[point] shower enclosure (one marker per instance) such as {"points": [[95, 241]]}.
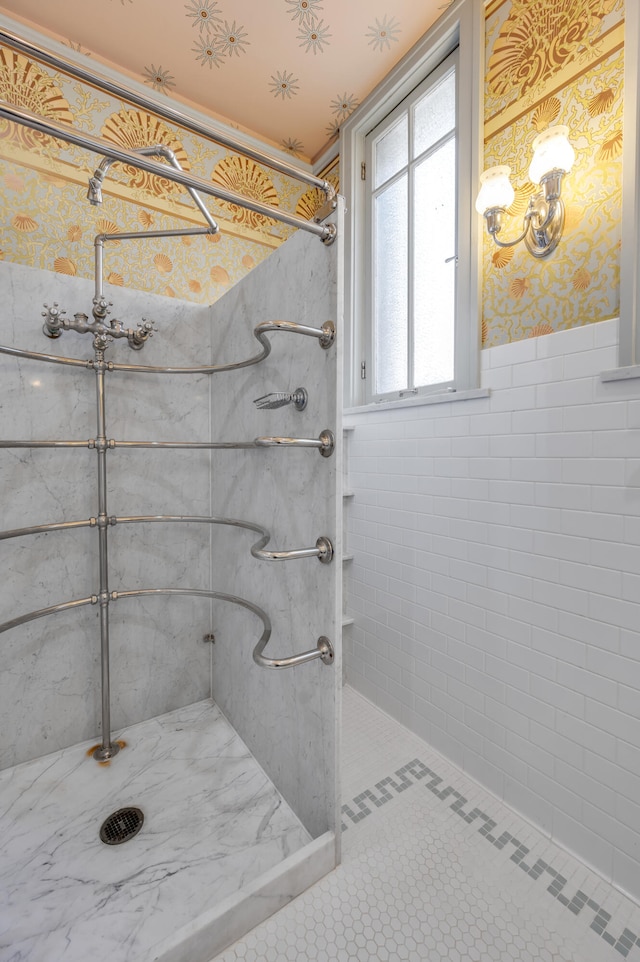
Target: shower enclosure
{"points": [[170, 602]]}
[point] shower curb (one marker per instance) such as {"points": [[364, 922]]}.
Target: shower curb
{"points": [[211, 933]]}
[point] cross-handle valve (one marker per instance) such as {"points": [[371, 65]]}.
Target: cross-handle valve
{"points": [[104, 331], [54, 321]]}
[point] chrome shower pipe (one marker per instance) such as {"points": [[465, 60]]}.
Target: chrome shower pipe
{"points": [[164, 110], [323, 649], [106, 749], [325, 444], [326, 337], [52, 610], [40, 528], [323, 549], [94, 194], [51, 358], [98, 246], [48, 444], [326, 334], [326, 232]]}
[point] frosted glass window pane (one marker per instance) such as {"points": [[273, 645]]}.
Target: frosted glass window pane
{"points": [[391, 302], [434, 279], [391, 152], [435, 115]]}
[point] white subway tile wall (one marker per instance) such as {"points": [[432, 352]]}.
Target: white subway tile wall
{"points": [[495, 586]]}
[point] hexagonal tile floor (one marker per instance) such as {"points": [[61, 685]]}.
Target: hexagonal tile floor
{"points": [[435, 868]]}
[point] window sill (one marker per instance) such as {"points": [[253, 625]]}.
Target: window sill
{"points": [[621, 373], [414, 402]]}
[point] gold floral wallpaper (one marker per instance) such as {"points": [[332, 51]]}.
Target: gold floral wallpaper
{"points": [[48, 222], [555, 62]]}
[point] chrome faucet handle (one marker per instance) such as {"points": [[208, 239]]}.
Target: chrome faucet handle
{"points": [[138, 338], [53, 323]]}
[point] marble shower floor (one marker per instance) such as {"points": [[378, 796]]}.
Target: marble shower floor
{"points": [[436, 869], [213, 823]]}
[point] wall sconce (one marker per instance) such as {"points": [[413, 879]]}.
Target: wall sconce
{"points": [[553, 157]]}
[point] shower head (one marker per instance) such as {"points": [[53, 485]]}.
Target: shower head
{"points": [[279, 400], [94, 193]]}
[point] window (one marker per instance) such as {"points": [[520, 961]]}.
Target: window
{"points": [[411, 234], [412, 272]]}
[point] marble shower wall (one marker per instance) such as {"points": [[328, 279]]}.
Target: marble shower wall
{"points": [[50, 668], [286, 717]]}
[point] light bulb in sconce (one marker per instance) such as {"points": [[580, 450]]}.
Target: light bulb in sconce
{"points": [[551, 151], [496, 191], [544, 220]]}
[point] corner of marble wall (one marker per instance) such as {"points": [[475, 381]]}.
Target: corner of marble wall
{"points": [[288, 718]]}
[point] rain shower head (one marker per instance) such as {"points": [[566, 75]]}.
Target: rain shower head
{"points": [[279, 400]]}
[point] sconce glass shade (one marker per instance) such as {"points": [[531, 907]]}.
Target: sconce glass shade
{"points": [[551, 151], [495, 189]]}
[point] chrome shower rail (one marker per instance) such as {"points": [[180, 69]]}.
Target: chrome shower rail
{"points": [[164, 110], [326, 336], [51, 610], [40, 528], [325, 443], [326, 232], [323, 650], [323, 549]]}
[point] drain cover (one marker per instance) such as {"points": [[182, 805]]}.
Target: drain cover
{"points": [[121, 826]]}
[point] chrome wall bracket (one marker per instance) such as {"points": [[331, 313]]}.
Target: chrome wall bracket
{"points": [[328, 334], [328, 443], [325, 648], [325, 550]]}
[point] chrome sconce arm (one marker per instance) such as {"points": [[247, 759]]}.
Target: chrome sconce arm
{"points": [[544, 220]]}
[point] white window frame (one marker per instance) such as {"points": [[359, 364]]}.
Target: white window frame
{"points": [[403, 109], [461, 26]]}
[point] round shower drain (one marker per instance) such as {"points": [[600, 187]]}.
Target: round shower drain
{"points": [[121, 826]]}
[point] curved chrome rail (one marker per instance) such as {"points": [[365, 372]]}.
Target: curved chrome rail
{"points": [[40, 528], [323, 549], [89, 364], [51, 610], [323, 650], [326, 336]]}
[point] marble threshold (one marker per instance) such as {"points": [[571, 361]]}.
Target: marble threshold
{"points": [[219, 850]]}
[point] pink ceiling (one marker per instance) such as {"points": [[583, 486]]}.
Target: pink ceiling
{"points": [[288, 71]]}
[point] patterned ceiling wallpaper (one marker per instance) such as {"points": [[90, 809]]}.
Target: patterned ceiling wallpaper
{"points": [[48, 222], [288, 71], [555, 62]]}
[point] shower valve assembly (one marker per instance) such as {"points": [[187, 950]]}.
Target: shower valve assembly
{"points": [[56, 322]]}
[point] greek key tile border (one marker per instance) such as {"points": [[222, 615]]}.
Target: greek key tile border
{"points": [[400, 781]]}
